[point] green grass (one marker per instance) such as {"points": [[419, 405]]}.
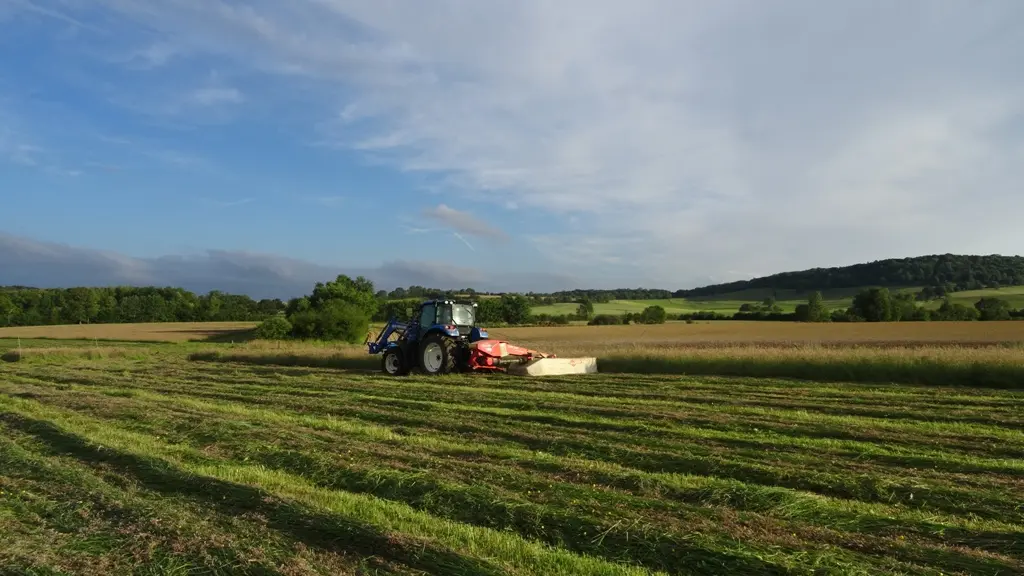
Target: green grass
{"points": [[786, 299], [158, 465]]}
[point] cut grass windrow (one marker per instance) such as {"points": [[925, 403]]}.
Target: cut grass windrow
{"points": [[701, 491], [927, 489], [641, 472], [356, 517], [71, 434]]}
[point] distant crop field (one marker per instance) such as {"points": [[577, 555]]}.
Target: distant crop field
{"points": [[152, 332], [113, 462], [599, 337]]}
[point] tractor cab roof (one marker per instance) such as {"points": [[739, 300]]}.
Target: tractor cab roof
{"points": [[446, 301]]}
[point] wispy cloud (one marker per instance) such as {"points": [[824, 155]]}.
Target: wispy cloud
{"points": [[687, 138], [328, 201], [212, 96], [227, 203], [24, 154], [34, 8], [152, 56], [463, 222]]}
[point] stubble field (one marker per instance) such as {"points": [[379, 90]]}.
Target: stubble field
{"points": [[200, 458]]}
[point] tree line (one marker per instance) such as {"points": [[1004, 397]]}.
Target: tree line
{"points": [[943, 274], [21, 306], [877, 304]]}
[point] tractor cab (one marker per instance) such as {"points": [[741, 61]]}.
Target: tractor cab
{"points": [[456, 319]]}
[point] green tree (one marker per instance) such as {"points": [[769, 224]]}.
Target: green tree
{"points": [[816, 310], [273, 328], [335, 320], [950, 311], [586, 309], [903, 307], [990, 309], [653, 315], [490, 311], [358, 292], [81, 306], [515, 308], [7, 310], [873, 305]]}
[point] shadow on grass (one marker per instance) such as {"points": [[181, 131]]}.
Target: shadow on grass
{"points": [[285, 359], [480, 506], [316, 529], [873, 370], [223, 336]]}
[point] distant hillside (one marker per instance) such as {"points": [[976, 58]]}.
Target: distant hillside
{"points": [[949, 271]]}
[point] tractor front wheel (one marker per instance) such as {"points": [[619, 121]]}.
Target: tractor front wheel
{"points": [[394, 363], [437, 355]]}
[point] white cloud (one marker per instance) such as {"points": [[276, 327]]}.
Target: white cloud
{"points": [[213, 96], [327, 201], [686, 138], [463, 222], [152, 56], [227, 203]]}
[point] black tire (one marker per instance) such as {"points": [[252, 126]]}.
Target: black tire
{"points": [[438, 355], [394, 362]]}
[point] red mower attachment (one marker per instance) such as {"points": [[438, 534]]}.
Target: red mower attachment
{"points": [[500, 356]]}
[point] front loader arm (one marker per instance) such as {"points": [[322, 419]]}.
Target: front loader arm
{"points": [[378, 344]]}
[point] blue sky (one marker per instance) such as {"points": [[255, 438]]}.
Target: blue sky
{"points": [[508, 145]]}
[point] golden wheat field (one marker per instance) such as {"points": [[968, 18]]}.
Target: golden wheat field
{"points": [[737, 332], [151, 332]]}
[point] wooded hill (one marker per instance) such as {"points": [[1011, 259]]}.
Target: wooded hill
{"points": [[942, 273]]}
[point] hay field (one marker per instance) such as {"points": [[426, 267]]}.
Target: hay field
{"points": [[144, 332], [158, 465], [598, 337], [785, 332]]}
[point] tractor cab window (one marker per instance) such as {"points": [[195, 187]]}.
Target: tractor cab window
{"points": [[428, 315], [458, 314], [462, 315]]}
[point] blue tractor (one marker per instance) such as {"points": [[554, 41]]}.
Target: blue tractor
{"points": [[443, 338], [436, 341]]}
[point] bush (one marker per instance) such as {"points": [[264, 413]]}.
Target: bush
{"points": [[990, 309], [955, 312], [549, 320], [653, 315], [703, 315], [605, 320], [273, 328], [336, 320]]}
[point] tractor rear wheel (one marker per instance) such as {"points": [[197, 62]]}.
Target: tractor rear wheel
{"points": [[438, 355], [394, 362]]}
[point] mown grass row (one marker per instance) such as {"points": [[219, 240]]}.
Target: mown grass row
{"points": [[992, 366], [625, 469], [995, 367]]}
